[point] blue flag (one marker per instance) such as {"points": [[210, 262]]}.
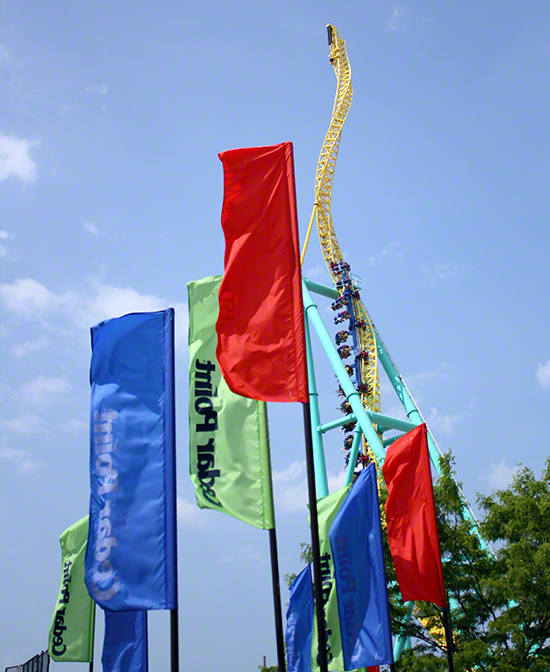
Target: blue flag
{"points": [[125, 642], [299, 623], [131, 553], [356, 542]]}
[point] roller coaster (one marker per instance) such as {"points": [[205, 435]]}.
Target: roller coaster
{"points": [[357, 349]]}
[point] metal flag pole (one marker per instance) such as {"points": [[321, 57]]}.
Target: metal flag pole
{"points": [[275, 580], [315, 546], [448, 638], [91, 665], [174, 621], [277, 600]]}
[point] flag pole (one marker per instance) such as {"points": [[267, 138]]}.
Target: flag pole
{"points": [[275, 580], [315, 546], [174, 620], [448, 637], [174, 641], [277, 600], [91, 665]]}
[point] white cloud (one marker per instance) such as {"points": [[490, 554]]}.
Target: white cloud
{"points": [[107, 302], [317, 273], [290, 486], [72, 426], [398, 19], [444, 424], [15, 158], [91, 228], [20, 458], [23, 349], [66, 109], [100, 89], [501, 475], [4, 252], [189, 514], [41, 389], [390, 250], [28, 298], [442, 272], [396, 411], [8, 60], [543, 374], [247, 553], [25, 423]]}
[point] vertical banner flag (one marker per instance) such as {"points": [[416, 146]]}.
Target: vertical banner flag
{"points": [[131, 553], [356, 542], [125, 643], [261, 339], [327, 509], [411, 519], [72, 628], [229, 444], [299, 622]]}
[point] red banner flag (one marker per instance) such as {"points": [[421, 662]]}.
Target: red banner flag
{"points": [[411, 519], [261, 339]]}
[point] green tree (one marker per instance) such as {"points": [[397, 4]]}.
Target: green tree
{"points": [[499, 602]]}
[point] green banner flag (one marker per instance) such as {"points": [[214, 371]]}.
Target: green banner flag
{"points": [[72, 629], [229, 443], [327, 508]]}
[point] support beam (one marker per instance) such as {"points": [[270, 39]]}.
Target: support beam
{"points": [[321, 481], [352, 395]]}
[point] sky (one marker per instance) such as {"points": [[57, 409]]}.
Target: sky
{"points": [[111, 118]]}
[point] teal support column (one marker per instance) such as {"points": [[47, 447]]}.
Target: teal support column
{"points": [[353, 454], [400, 388], [321, 482], [352, 395], [323, 290], [415, 416]]}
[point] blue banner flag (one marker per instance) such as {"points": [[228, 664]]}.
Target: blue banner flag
{"points": [[356, 542], [125, 642], [131, 554], [299, 623]]}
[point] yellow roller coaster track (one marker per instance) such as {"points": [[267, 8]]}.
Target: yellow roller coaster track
{"points": [[324, 178]]}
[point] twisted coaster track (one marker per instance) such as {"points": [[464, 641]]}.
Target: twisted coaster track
{"points": [[364, 369]]}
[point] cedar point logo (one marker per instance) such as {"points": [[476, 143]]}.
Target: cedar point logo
{"points": [[104, 585]]}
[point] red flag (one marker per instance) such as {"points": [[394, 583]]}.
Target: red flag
{"points": [[411, 519], [261, 340]]}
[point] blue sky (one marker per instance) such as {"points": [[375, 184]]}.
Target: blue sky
{"points": [[111, 118]]}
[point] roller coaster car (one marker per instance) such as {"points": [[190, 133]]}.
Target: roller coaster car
{"points": [[348, 427], [340, 392], [363, 389], [344, 351], [361, 324], [356, 294], [363, 459], [344, 282], [341, 337], [340, 302], [363, 354], [341, 317], [345, 407], [348, 441]]}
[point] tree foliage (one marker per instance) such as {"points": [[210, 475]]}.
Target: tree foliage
{"points": [[499, 601]]}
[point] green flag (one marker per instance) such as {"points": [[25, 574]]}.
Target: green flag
{"points": [[72, 629], [229, 443], [327, 508]]}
